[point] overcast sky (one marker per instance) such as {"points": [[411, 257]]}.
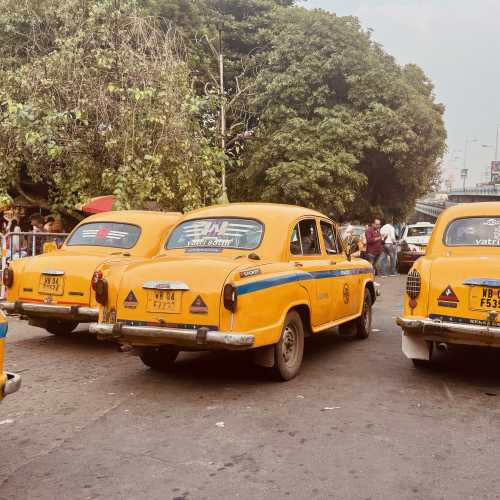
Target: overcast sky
{"points": [[457, 43]]}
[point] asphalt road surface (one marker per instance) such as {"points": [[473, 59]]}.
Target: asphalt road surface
{"points": [[359, 422]]}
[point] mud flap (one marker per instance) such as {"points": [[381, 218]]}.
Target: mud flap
{"points": [[415, 348], [264, 356]]}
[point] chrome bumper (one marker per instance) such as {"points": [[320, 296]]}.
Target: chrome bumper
{"points": [[50, 309], [165, 335], [429, 327], [13, 384]]}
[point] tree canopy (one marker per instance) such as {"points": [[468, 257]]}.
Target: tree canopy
{"points": [[122, 96]]}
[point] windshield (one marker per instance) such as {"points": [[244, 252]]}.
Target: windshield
{"points": [[243, 234], [105, 234], [474, 231], [419, 231]]}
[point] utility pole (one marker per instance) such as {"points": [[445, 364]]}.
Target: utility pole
{"points": [[224, 198]]}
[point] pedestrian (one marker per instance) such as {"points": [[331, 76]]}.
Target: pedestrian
{"points": [[374, 246], [36, 243], [388, 233], [49, 220]]}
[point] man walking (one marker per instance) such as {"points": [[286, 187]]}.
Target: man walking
{"points": [[374, 245], [388, 234]]}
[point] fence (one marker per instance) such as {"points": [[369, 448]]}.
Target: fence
{"points": [[28, 244]]}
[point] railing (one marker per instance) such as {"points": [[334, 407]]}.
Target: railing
{"points": [[18, 245], [479, 191]]}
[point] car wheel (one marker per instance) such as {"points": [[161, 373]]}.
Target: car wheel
{"points": [[60, 326], [360, 328], [159, 358], [289, 351]]}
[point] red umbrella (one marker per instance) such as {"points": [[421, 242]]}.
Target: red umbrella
{"points": [[99, 204]]}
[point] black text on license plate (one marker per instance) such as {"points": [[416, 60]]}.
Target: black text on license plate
{"points": [[486, 298]]}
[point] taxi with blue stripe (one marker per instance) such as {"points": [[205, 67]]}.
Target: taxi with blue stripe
{"points": [[9, 382], [238, 277], [453, 292]]}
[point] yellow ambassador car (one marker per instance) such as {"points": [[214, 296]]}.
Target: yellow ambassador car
{"points": [[453, 292], [238, 277], [55, 290], [9, 382]]}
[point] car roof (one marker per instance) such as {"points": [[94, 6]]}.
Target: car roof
{"points": [[421, 224], [253, 210], [131, 216], [485, 208]]}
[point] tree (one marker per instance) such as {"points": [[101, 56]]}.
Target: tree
{"points": [[102, 103], [341, 126]]}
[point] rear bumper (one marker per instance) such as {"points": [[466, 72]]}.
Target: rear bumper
{"points": [[183, 337], [82, 313], [434, 329], [13, 384]]}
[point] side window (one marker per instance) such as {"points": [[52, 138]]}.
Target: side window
{"points": [[328, 232], [305, 239]]}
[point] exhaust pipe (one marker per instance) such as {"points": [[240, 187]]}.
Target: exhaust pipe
{"points": [[442, 346]]}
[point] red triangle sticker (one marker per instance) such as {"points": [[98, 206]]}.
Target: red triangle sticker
{"points": [[448, 295]]}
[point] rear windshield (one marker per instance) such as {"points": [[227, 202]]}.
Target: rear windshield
{"points": [[219, 233], [474, 232], [419, 231], [105, 234]]}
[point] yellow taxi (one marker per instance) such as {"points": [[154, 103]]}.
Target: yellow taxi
{"points": [[55, 290], [9, 382], [453, 292], [239, 277]]}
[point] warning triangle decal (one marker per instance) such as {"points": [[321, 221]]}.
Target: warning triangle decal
{"points": [[199, 306], [131, 300], [448, 295]]}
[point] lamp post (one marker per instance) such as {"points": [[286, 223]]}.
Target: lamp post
{"points": [[496, 142], [220, 26]]}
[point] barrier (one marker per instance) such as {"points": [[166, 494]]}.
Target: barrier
{"points": [[18, 245]]}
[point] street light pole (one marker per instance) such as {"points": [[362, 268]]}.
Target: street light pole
{"points": [[496, 143], [224, 198]]}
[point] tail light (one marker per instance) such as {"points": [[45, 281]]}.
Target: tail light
{"points": [[101, 291], [95, 278], [8, 277], [413, 284], [230, 297]]}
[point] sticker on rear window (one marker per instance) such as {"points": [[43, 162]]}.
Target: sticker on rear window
{"points": [[105, 234]]}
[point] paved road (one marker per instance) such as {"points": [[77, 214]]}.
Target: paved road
{"points": [[90, 422]]}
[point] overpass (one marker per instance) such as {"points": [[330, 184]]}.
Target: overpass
{"points": [[429, 210]]}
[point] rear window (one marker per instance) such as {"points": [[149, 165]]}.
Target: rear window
{"points": [[419, 231], [105, 234], [474, 232], [217, 233]]}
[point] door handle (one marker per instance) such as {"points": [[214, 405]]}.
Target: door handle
{"points": [[333, 263], [298, 264]]}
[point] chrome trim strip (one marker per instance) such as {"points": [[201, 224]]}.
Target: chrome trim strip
{"points": [[53, 272], [118, 331], [165, 285], [493, 283]]}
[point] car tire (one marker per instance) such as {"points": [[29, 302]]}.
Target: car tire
{"points": [[289, 351], [60, 326], [360, 328], [159, 358]]}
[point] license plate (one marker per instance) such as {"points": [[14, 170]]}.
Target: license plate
{"points": [[164, 301], [484, 298], [51, 285]]}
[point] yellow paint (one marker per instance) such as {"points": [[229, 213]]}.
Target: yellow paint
{"points": [[80, 262], [444, 266], [262, 312]]}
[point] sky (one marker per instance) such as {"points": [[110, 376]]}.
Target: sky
{"points": [[457, 44]]}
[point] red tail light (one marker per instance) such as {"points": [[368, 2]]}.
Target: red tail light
{"points": [[95, 278], [230, 298], [8, 277], [101, 292]]}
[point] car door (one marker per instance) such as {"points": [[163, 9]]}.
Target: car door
{"points": [[341, 300], [307, 254]]}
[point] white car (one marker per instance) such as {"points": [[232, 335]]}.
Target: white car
{"points": [[413, 244]]}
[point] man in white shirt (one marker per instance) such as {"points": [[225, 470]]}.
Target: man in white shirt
{"points": [[388, 234]]}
